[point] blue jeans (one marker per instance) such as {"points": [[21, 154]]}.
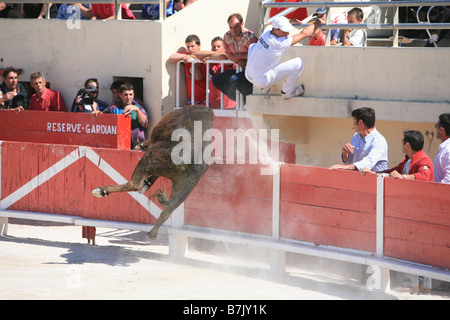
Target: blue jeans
{"points": [[230, 81]]}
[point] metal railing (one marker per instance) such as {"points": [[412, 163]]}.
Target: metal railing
{"points": [[239, 96], [117, 3], [395, 25]]}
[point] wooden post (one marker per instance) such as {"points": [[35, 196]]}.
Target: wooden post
{"points": [[178, 244]]}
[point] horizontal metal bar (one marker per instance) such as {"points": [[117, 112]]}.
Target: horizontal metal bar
{"points": [[84, 1], [384, 26], [393, 4]]}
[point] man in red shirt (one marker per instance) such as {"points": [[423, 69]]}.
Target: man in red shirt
{"points": [[44, 99], [193, 47], [417, 165]]}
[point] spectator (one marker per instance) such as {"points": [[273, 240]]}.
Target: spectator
{"points": [[75, 10], [318, 38], [441, 15], [442, 160], [368, 148], [105, 11], [14, 96], [237, 41], [45, 99], [217, 46], [151, 11], [181, 4], [321, 13], [193, 46], [92, 87], [9, 10], [416, 165], [354, 37], [115, 89], [37, 10], [129, 107], [263, 68]]}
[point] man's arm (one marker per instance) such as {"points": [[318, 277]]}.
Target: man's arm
{"points": [[343, 167], [307, 32], [177, 56]]}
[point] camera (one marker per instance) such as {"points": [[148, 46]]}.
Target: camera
{"points": [[87, 97]]}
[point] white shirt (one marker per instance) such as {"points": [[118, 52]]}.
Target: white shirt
{"points": [[265, 54], [358, 38], [442, 163], [370, 152]]}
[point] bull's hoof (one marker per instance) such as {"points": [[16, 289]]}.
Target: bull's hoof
{"points": [[99, 192], [146, 186]]}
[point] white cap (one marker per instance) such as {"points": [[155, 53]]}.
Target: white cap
{"points": [[283, 24]]}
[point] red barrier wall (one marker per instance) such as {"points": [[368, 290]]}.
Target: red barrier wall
{"points": [[59, 179], [232, 197], [328, 207], [105, 131], [317, 205], [417, 222]]}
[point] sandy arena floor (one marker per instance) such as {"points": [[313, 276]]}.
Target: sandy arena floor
{"points": [[48, 261]]}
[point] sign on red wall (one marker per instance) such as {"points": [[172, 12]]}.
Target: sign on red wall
{"points": [[105, 130]]}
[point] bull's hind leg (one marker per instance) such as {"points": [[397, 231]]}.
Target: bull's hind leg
{"points": [[130, 186], [151, 164]]}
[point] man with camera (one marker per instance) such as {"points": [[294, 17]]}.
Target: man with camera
{"points": [[87, 98], [130, 107]]}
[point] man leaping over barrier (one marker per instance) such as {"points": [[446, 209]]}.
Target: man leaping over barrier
{"points": [[263, 67]]}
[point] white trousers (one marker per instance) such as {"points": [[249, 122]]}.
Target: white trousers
{"points": [[288, 71]]}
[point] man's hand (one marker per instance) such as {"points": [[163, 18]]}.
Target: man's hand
{"points": [[19, 109], [395, 175], [347, 150]]}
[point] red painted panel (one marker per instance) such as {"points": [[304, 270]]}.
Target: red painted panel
{"points": [[324, 207], [339, 179], [68, 191], [417, 222], [108, 131], [328, 226], [232, 197]]}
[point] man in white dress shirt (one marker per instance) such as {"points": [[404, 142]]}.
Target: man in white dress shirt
{"points": [[368, 148], [263, 68], [442, 160]]}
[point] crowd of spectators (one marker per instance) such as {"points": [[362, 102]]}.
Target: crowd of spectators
{"points": [[14, 96], [102, 11]]}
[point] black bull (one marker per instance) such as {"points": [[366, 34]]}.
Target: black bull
{"points": [[157, 161]]}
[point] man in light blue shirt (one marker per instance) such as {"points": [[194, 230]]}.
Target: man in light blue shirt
{"points": [[368, 148]]}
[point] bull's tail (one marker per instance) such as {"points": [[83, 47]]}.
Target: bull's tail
{"points": [[180, 190], [161, 195]]}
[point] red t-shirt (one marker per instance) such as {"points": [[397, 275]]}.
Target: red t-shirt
{"points": [[51, 100], [105, 10], [320, 41], [199, 85]]}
